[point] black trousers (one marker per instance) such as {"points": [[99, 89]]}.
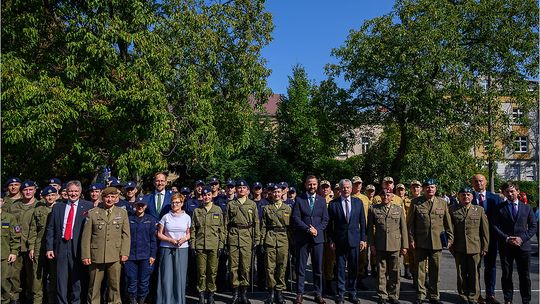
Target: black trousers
{"points": [[508, 255]]}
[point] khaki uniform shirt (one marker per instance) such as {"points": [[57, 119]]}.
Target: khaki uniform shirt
{"points": [[10, 235], [387, 229], [106, 238], [23, 213], [275, 225], [471, 229], [365, 202], [242, 223], [428, 219], [38, 227], [208, 228]]}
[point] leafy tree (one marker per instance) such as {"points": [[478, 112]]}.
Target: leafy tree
{"points": [[413, 70], [134, 85]]}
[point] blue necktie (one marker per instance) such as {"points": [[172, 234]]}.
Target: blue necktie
{"points": [[514, 210], [311, 202]]}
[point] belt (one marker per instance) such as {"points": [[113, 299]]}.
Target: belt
{"points": [[277, 229], [240, 226]]}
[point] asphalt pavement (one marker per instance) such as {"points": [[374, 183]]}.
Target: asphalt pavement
{"points": [[448, 289]]}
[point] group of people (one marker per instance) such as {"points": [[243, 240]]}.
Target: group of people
{"points": [[123, 246]]}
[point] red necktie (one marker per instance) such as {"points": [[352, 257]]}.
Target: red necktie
{"points": [[69, 225]]}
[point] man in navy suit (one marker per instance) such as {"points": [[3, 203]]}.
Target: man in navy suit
{"points": [[159, 200], [347, 236], [310, 217], [515, 226], [489, 201], [63, 244]]}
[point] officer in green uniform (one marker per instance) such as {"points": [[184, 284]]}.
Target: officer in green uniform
{"points": [[275, 239], [208, 238], [11, 243], [44, 272], [13, 186], [387, 237], [402, 193], [105, 243], [429, 218], [242, 222], [471, 241], [23, 210]]}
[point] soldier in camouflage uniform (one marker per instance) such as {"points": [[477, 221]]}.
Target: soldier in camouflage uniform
{"points": [[242, 222], [44, 270]]}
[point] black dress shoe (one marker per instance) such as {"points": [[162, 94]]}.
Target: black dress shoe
{"points": [[319, 299], [393, 301], [353, 298]]}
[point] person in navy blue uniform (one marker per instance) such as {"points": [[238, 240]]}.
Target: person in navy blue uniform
{"points": [[94, 193], [64, 244], [489, 201], [140, 263], [196, 200], [310, 217], [159, 200], [347, 236], [131, 197], [515, 226], [219, 199]]}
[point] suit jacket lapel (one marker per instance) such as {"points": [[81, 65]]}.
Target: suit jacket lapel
{"points": [[508, 213]]}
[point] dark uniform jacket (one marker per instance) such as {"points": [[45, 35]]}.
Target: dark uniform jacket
{"points": [[143, 237]]}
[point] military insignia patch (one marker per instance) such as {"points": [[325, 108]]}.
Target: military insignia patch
{"points": [[17, 229], [5, 225]]}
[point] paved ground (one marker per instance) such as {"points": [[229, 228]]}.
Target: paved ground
{"points": [[447, 283]]}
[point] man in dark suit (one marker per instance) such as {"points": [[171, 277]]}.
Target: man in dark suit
{"points": [[515, 225], [347, 236], [310, 217], [489, 201], [159, 200], [63, 244]]}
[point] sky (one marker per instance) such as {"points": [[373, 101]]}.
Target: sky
{"points": [[306, 31]]}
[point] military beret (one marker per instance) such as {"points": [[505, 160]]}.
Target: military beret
{"points": [[388, 179], [356, 179], [273, 187], [230, 183], [27, 184], [213, 181], [199, 183], [130, 185], [48, 190], [292, 190], [206, 190], [54, 180], [63, 187], [325, 182], [370, 187], [283, 185], [185, 190], [117, 184], [12, 180], [270, 186], [257, 185], [465, 189], [109, 190], [429, 182], [95, 186], [241, 183], [416, 182], [400, 186]]}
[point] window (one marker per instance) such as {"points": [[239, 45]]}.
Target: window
{"points": [[517, 115], [530, 173], [365, 144], [513, 172], [521, 144]]}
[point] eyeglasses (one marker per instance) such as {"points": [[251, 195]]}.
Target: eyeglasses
{"points": [[176, 203]]}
